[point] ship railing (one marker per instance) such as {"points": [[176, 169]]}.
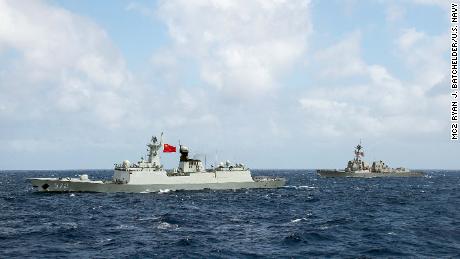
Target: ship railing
{"points": [[267, 178], [230, 168]]}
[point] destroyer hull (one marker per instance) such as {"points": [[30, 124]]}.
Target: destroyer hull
{"points": [[337, 173], [56, 185]]}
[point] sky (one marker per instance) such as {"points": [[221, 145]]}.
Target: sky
{"points": [[270, 83]]}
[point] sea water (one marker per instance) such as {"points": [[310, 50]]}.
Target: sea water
{"points": [[310, 217]]}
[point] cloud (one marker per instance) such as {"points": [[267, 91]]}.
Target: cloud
{"points": [[333, 118], [441, 3], [240, 47], [65, 91], [409, 37], [140, 8], [425, 53], [346, 56], [65, 87], [382, 104], [63, 63], [394, 13]]}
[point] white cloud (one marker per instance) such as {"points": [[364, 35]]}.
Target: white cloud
{"points": [[329, 117], [241, 47], [409, 37], [441, 3], [63, 59], [321, 105], [425, 53], [394, 13], [140, 8], [346, 57], [65, 86], [68, 77], [383, 104]]}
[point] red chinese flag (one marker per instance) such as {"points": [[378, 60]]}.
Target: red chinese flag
{"points": [[168, 148]]}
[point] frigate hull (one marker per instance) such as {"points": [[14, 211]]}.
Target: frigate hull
{"points": [[338, 173], [57, 185], [148, 175]]}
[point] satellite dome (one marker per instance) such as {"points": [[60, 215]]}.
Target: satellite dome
{"points": [[126, 163], [183, 149]]}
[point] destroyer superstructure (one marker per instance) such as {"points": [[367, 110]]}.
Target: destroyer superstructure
{"points": [[357, 167], [150, 176]]}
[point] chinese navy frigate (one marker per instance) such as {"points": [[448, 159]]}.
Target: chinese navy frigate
{"points": [[150, 176], [357, 167]]}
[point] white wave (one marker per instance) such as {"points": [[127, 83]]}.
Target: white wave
{"points": [[166, 225], [65, 225], [148, 218], [307, 187], [164, 191], [301, 187], [125, 227], [104, 240], [298, 220]]}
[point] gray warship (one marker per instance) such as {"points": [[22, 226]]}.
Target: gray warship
{"points": [[150, 176], [357, 167]]}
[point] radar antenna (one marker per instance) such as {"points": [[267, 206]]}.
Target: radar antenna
{"points": [[358, 151]]}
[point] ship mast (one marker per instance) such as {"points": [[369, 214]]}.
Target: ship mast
{"points": [[358, 152], [153, 147]]}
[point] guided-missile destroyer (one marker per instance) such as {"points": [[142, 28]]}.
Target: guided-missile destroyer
{"points": [[357, 167]]}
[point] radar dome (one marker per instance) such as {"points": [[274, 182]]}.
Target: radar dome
{"points": [[126, 163]]}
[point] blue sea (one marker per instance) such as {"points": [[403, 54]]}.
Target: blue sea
{"points": [[311, 217]]}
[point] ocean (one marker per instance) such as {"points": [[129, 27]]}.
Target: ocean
{"points": [[310, 217]]}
